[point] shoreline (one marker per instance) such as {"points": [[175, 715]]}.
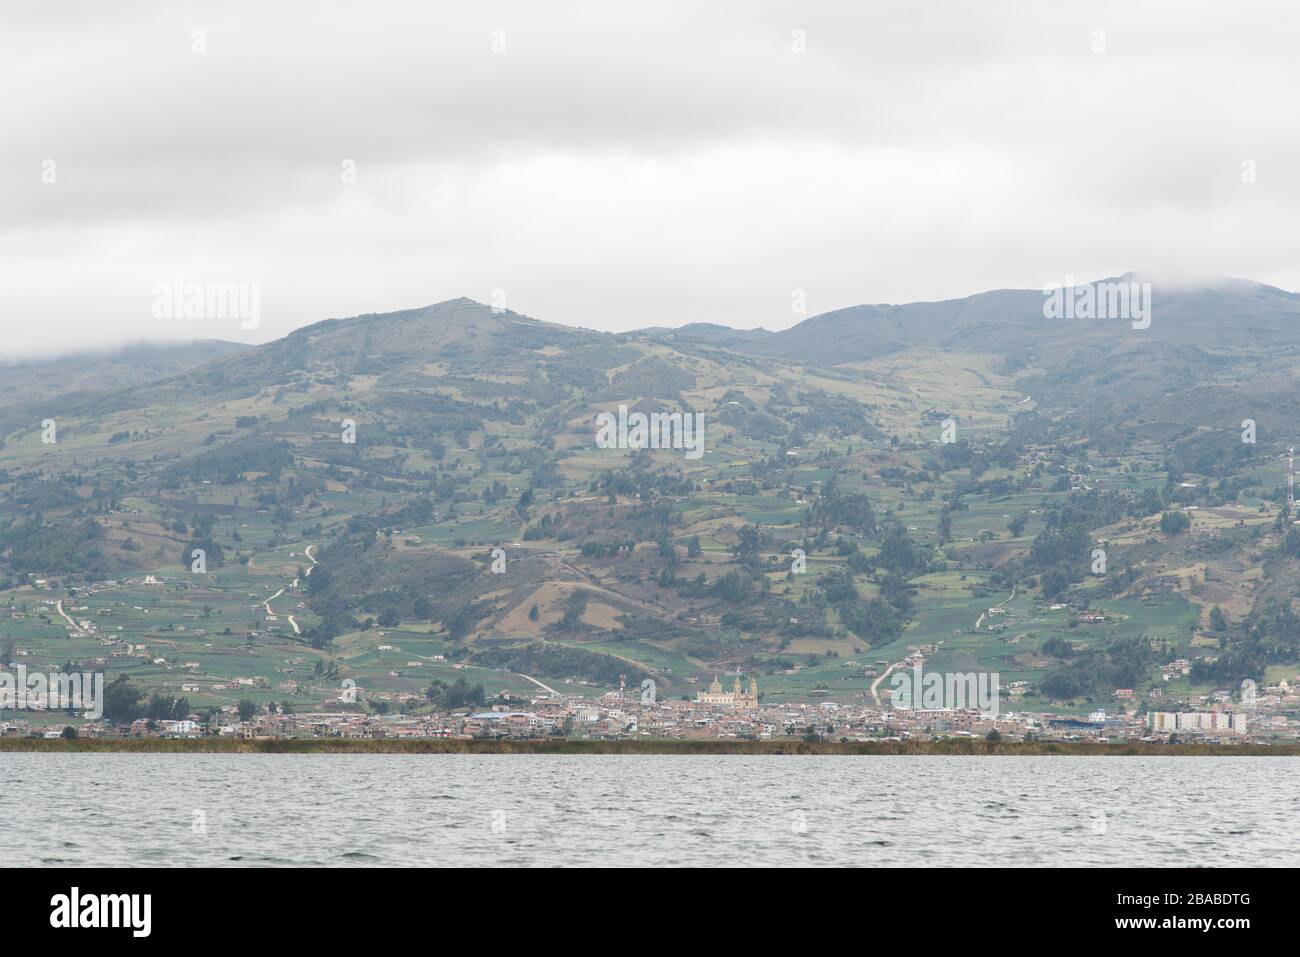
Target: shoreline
{"points": [[945, 747]]}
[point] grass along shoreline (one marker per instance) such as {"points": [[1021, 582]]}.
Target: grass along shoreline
{"points": [[947, 746]]}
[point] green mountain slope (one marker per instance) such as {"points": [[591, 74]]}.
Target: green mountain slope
{"points": [[423, 494]]}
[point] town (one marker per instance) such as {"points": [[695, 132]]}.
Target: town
{"points": [[1263, 717]]}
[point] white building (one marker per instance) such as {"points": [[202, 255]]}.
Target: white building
{"points": [[1197, 721]]}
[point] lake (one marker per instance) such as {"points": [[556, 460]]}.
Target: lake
{"points": [[655, 810]]}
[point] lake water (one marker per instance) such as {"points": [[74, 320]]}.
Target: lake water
{"points": [[542, 810]]}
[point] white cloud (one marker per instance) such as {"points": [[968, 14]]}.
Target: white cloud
{"points": [[623, 165]]}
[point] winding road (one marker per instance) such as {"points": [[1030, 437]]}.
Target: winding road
{"points": [[984, 614], [876, 684], [58, 606], [293, 584]]}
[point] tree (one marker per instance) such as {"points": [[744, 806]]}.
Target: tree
{"points": [[69, 733], [574, 606], [945, 525], [1054, 583], [1017, 525], [122, 701], [1217, 620], [525, 500], [1175, 523], [852, 510], [163, 707], [459, 694], [1058, 646], [461, 621], [748, 544], [874, 621], [246, 709], [900, 554]]}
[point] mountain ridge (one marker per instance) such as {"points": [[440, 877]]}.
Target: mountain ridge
{"points": [[716, 333], [923, 468]]}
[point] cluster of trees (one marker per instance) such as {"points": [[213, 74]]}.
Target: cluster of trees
{"points": [[901, 555], [547, 527], [461, 621], [640, 484], [956, 455], [202, 538], [877, 620], [1271, 636], [748, 549], [832, 414], [418, 511], [459, 694], [733, 587], [1124, 663], [855, 559], [124, 703], [495, 491], [226, 464], [851, 510], [560, 661], [1060, 553], [1216, 452], [335, 617], [34, 546]]}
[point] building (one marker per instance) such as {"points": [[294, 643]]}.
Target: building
{"points": [[735, 698], [1199, 721]]}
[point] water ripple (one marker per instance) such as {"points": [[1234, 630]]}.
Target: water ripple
{"points": [[650, 810]]}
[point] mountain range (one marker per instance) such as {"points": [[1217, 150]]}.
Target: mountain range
{"points": [[927, 460]]}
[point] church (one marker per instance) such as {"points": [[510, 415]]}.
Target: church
{"points": [[735, 698]]}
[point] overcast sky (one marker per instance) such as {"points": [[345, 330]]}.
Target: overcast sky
{"points": [[618, 164]]}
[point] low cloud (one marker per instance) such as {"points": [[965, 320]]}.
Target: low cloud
{"points": [[618, 166]]}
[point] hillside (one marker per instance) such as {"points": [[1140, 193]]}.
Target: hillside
{"points": [[32, 379], [414, 498]]}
